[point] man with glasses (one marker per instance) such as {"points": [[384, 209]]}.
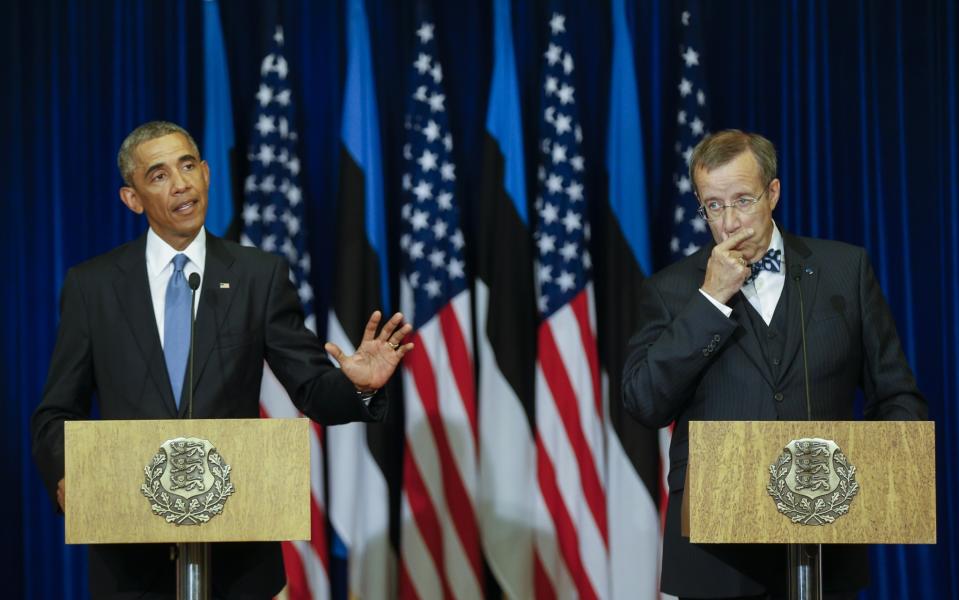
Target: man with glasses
{"points": [[720, 340]]}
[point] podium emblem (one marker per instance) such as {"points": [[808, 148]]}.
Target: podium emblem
{"points": [[187, 482], [812, 482]]}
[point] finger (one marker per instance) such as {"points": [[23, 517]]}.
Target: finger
{"points": [[735, 239], [402, 350], [397, 336], [334, 351], [371, 325], [387, 333], [735, 258]]}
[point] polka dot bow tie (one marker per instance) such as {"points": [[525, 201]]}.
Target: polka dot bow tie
{"points": [[771, 261]]}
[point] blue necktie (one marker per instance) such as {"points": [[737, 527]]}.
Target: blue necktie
{"points": [[771, 261], [176, 326]]}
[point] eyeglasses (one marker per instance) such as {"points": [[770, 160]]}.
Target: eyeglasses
{"points": [[744, 205]]}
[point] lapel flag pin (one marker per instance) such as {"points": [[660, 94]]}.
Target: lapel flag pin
{"points": [[224, 285]]}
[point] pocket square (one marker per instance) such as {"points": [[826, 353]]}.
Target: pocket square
{"points": [[224, 285]]}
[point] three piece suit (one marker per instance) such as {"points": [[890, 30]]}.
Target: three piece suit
{"points": [[108, 346], [690, 362]]}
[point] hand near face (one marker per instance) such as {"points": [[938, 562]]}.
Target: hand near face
{"points": [[378, 355], [727, 269]]}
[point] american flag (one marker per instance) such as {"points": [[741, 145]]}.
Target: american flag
{"points": [[273, 214], [689, 230], [572, 538], [440, 545]]}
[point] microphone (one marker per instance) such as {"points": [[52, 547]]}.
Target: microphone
{"points": [[194, 283], [798, 270]]}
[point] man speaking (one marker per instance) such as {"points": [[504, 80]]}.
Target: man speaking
{"points": [[124, 336], [721, 340]]}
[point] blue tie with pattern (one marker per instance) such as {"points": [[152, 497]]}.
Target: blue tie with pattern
{"points": [[771, 261], [176, 326]]}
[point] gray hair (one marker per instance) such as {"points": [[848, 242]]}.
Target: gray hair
{"points": [[717, 149], [144, 133]]}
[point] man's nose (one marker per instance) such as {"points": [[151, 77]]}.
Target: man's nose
{"points": [[730, 220], [179, 182]]}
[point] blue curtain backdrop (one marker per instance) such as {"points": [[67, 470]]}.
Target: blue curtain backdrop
{"points": [[859, 97]]}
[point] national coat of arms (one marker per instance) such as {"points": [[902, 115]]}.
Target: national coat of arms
{"points": [[812, 482], [187, 482]]}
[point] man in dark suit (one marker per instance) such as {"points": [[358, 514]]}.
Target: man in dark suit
{"points": [[124, 336], [721, 340]]}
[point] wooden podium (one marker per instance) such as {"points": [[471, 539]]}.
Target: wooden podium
{"points": [[726, 498], [269, 469]]}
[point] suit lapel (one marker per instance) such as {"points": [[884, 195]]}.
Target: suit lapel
{"points": [[133, 291], [214, 305], [800, 263]]}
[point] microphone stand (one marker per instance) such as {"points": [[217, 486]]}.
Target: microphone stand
{"points": [[805, 560], [192, 559]]}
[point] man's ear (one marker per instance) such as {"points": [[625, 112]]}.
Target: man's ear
{"points": [[129, 196], [773, 193], [206, 171]]}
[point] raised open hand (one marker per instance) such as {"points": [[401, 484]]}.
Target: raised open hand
{"points": [[374, 362]]}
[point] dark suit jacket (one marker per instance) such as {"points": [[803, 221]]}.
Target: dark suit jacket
{"points": [[108, 345], [689, 362]]}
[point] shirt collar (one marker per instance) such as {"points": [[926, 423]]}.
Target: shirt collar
{"points": [[159, 253], [776, 243]]}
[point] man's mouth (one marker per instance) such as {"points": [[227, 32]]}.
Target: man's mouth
{"points": [[185, 207]]}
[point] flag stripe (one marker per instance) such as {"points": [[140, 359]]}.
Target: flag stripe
{"points": [[457, 499], [592, 547], [407, 591], [587, 333], [565, 397], [566, 532], [425, 515], [297, 584], [541, 581], [571, 345], [316, 577], [318, 533], [460, 362]]}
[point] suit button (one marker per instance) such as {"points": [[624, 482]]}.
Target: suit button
{"points": [[776, 361], [770, 335], [778, 396], [716, 338], [705, 351]]}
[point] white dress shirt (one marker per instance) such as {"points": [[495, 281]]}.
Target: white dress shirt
{"points": [[160, 269], [764, 291]]}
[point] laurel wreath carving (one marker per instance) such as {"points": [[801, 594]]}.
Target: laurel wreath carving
{"points": [[807, 511], [182, 511]]}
